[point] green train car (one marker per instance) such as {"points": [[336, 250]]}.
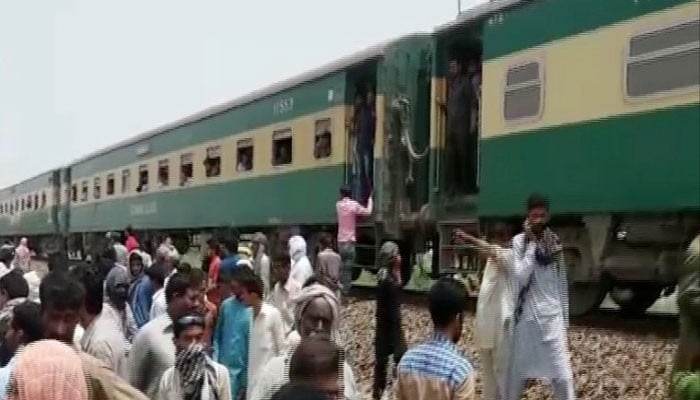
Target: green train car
{"points": [[593, 103]]}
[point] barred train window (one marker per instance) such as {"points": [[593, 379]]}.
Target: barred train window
{"points": [[282, 147], [523, 93], [96, 188], [212, 164], [143, 179], [126, 178], [84, 191], [110, 184], [664, 60], [322, 142], [244, 155], [186, 169], [163, 172]]}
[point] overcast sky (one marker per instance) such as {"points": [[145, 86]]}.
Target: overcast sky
{"points": [[78, 75]]}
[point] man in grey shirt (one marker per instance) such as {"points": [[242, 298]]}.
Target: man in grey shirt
{"points": [[153, 350], [328, 265]]}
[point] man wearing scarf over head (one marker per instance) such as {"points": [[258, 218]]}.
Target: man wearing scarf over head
{"points": [[316, 312], [194, 376], [301, 269], [116, 307], [542, 307]]}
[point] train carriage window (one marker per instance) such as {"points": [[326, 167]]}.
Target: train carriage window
{"points": [[163, 172], [36, 201], [126, 180], [2, 209], [29, 202], [664, 60], [97, 187], [84, 191], [17, 209], [523, 92], [212, 164], [244, 155], [186, 169], [110, 184], [322, 142], [43, 199], [74, 193], [143, 179], [12, 209], [282, 147]]}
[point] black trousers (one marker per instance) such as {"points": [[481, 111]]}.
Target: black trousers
{"points": [[461, 161], [388, 339]]}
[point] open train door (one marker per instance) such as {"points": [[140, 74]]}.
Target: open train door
{"points": [[404, 174]]}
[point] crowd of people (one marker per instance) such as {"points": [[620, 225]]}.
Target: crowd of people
{"points": [[248, 325]]}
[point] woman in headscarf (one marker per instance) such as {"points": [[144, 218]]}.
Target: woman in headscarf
{"points": [[117, 308], [140, 290], [194, 376], [388, 338], [22, 255], [48, 370], [316, 312]]}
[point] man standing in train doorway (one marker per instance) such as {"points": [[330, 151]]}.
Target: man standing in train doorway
{"points": [[539, 344], [365, 121], [461, 141]]}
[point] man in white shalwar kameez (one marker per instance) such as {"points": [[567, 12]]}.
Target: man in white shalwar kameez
{"points": [[539, 347], [494, 309]]}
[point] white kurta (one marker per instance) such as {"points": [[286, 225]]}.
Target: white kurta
{"points": [[493, 322], [266, 341], [539, 340]]}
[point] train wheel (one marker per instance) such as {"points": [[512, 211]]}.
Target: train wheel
{"points": [[586, 296], [635, 299], [356, 272]]}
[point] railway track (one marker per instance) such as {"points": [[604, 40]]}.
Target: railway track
{"points": [[661, 325]]}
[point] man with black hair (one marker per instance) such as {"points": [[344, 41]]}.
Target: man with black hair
{"points": [[231, 338], [266, 331], [13, 290], [194, 375], [317, 361], [7, 255], [436, 369], [347, 211], [460, 141], [153, 350], [24, 327], [62, 300], [279, 296], [229, 263], [542, 307], [102, 338]]}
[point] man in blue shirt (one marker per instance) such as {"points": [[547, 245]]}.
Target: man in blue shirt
{"points": [[230, 262], [231, 335]]}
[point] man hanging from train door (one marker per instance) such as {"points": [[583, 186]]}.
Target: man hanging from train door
{"points": [[348, 210], [539, 344], [459, 143]]}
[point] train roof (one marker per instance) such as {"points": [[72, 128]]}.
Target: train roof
{"points": [[369, 53], [479, 12], [36, 182]]}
